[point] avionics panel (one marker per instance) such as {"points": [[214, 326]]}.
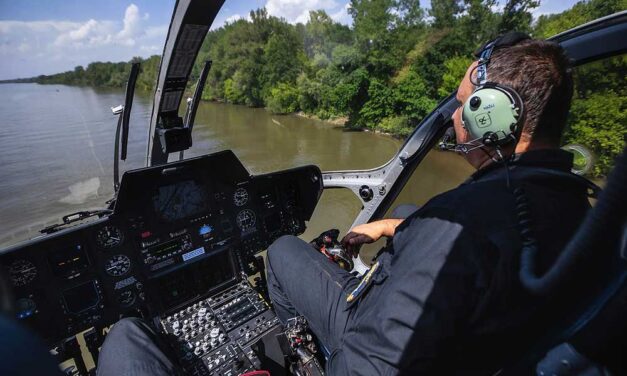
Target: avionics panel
{"points": [[180, 213], [178, 233]]}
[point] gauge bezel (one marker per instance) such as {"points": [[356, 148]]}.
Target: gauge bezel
{"points": [[240, 194], [110, 259], [253, 217], [102, 230]]}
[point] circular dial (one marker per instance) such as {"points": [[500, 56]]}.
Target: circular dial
{"points": [[22, 272], [245, 219], [118, 265], [240, 197], [109, 237], [126, 298]]}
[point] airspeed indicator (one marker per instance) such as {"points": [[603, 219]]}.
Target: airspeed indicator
{"points": [[118, 265]]}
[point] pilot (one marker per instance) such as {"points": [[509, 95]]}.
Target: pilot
{"points": [[444, 296]]}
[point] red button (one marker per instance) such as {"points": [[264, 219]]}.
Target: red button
{"points": [[146, 234]]}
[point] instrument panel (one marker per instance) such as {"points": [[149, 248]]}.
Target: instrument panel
{"points": [[178, 232]]}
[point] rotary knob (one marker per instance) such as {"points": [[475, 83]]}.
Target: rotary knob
{"points": [[215, 332], [202, 311]]}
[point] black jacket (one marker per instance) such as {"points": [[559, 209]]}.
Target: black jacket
{"points": [[447, 298]]}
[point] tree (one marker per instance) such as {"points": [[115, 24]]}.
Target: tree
{"points": [[283, 99], [445, 12], [455, 68], [598, 122], [517, 15], [411, 97], [281, 60], [373, 21], [379, 105]]}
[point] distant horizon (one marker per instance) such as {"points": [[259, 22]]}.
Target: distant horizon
{"points": [[56, 36]]}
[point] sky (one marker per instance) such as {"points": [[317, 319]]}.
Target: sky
{"points": [[51, 36]]}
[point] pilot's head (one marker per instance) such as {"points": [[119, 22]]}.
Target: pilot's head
{"points": [[540, 73]]}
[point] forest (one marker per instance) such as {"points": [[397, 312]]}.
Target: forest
{"points": [[387, 70]]}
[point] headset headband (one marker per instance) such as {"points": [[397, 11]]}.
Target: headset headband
{"points": [[484, 54]]}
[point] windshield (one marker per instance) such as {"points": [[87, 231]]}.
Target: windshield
{"points": [[338, 84]]}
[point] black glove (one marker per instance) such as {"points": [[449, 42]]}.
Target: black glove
{"points": [[327, 244]]}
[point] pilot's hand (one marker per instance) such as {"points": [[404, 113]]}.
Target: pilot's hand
{"points": [[368, 233]]}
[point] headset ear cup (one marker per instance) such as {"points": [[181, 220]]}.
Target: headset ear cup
{"points": [[492, 114]]}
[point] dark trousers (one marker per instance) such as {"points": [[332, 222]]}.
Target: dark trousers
{"points": [[132, 348], [302, 281]]}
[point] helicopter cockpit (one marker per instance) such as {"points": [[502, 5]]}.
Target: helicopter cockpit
{"points": [[180, 243]]}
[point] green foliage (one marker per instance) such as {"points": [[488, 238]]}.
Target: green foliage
{"points": [[580, 13], [411, 97], [396, 125], [283, 99], [444, 12], [107, 74], [455, 69], [380, 104], [598, 122], [517, 15]]}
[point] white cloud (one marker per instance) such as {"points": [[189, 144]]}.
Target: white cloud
{"points": [[233, 18], [342, 15], [298, 10], [30, 48], [131, 27], [95, 33]]}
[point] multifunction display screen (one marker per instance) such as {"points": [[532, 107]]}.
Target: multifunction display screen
{"points": [[181, 200], [81, 298]]}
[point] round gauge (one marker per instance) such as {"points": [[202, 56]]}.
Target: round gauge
{"points": [[22, 272], [240, 197], [109, 237], [118, 265], [245, 219], [126, 298]]}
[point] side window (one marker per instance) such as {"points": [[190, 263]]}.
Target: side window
{"points": [[596, 129], [595, 133], [439, 172]]}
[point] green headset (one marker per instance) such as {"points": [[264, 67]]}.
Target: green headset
{"points": [[493, 113]]}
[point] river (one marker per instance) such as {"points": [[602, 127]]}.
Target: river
{"points": [[56, 153]]}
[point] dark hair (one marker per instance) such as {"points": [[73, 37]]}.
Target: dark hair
{"points": [[541, 73]]}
